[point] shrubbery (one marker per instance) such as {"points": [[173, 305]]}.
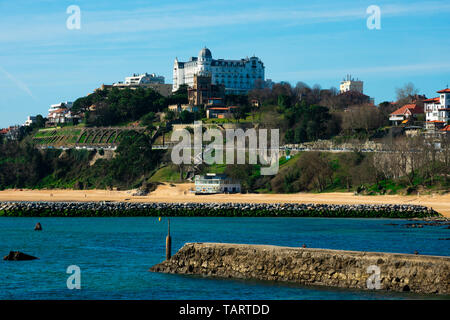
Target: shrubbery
{"points": [[23, 166]]}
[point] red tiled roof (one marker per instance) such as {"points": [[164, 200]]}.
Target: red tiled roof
{"points": [[220, 108], [446, 128], [4, 131], [58, 112], [412, 108], [433, 100], [444, 91]]}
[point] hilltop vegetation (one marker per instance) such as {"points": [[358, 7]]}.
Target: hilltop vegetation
{"points": [[115, 106], [301, 113], [23, 166]]}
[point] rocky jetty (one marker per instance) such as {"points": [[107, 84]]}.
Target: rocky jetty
{"points": [[18, 256], [86, 209], [308, 266]]}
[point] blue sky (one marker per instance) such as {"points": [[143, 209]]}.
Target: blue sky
{"points": [[42, 62]]}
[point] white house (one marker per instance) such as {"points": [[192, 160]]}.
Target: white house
{"points": [[145, 78], [406, 113], [62, 105], [238, 76], [60, 113], [30, 121], [437, 110]]}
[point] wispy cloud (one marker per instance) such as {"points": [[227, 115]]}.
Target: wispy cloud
{"points": [[22, 86]]}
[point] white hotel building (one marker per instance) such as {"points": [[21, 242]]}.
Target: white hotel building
{"points": [[238, 76]]}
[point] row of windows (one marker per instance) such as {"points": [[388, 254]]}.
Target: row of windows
{"points": [[241, 75], [236, 76], [239, 85], [435, 114], [199, 182], [232, 69]]}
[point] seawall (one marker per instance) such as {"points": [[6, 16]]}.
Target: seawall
{"points": [[108, 209], [308, 266]]}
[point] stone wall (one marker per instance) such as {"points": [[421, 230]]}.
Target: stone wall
{"points": [[87, 209], [307, 266]]}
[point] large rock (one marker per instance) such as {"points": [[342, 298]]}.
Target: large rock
{"points": [[18, 256]]}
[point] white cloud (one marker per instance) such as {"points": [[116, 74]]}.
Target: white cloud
{"points": [[22, 86]]}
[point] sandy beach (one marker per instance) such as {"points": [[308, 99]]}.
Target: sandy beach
{"points": [[181, 193]]}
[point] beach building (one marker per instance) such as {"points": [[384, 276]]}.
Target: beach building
{"points": [[215, 183], [437, 110], [349, 84], [405, 114], [238, 76]]}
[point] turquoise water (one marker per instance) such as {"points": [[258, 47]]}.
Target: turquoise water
{"points": [[114, 255]]}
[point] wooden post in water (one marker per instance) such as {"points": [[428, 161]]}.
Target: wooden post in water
{"points": [[168, 242]]}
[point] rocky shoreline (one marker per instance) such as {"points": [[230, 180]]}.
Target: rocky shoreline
{"points": [[111, 209]]}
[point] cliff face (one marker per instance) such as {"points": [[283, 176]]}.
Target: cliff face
{"points": [[307, 266]]}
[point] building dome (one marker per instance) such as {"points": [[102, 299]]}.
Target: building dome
{"points": [[205, 53]]}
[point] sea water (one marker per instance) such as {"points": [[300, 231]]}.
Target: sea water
{"points": [[115, 254]]}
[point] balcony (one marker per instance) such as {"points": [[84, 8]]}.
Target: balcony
{"points": [[396, 118]]}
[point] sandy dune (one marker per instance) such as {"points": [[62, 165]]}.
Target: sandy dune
{"points": [[181, 193]]}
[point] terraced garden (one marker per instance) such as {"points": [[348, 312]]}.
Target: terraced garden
{"points": [[76, 136]]}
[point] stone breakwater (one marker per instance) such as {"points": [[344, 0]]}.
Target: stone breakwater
{"points": [[307, 266], [90, 209]]}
